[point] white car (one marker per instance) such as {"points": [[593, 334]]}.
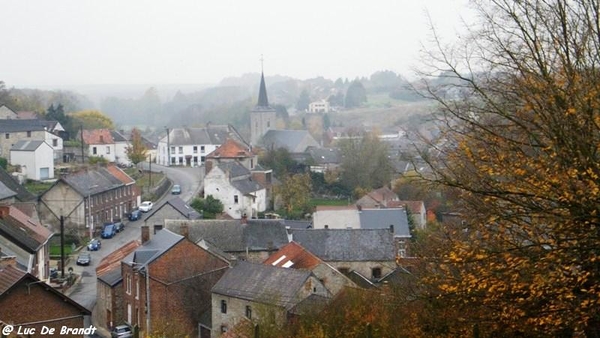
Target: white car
{"points": [[145, 206]]}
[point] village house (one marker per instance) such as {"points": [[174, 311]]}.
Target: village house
{"points": [[174, 208], [250, 291], [252, 240], [11, 191], [108, 312], [12, 131], [88, 198], [28, 302], [167, 283], [369, 252], [100, 143], [35, 159], [25, 239]]}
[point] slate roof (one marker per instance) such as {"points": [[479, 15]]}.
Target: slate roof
{"points": [[235, 169], [117, 136], [109, 268], [263, 100], [27, 145], [291, 140], [154, 248], [347, 244], [12, 126], [325, 155], [212, 134], [383, 218], [98, 136], [360, 280], [262, 283], [10, 183], [232, 236], [246, 186], [230, 149], [10, 276], [92, 181], [22, 230], [5, 192], [293, 255], [180, 206]]}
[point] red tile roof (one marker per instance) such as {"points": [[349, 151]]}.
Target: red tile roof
{"points": [[293, 255], [97, 136], [114, 259], [120, 174], [9, 276], [32, 227], [231, 149]]}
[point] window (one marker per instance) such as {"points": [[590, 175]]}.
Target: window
{"points": [[195, 149], [181, 150], [172, 150], [137, 287], [94, 151], [181, 160], [268, 124], [55, 142], [28, 134], [202, 149], [376, 273], [108, 150], [202, 159], [173, 160], [128, 286], [223, 306], [235, 199], [248, 312], [7, 136]]}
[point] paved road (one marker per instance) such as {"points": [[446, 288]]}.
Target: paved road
{"points": [[84, 292]]}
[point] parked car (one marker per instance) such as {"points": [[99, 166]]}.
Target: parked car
{"points": [[176, 190], [121, 331], [94, 245], [135, 215], [53, 273], [109, 231], [119, 226], [84, 258], [146, 206]]}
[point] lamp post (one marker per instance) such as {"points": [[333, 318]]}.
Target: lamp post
{"points": [[168, 148]]}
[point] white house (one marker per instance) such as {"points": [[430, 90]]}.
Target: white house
{"points": [[100, 143], [319, 107], [12, 131], [35, 157], [232, 184], [121, 145], [189, 146]]}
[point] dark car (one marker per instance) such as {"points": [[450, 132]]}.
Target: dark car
{"points": [[135, 215], [121, 331], [84, 258], [176, 190], [109, 231], [53, 273], [94, 245], [119, 226]]}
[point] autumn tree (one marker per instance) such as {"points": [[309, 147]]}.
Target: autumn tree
{"points": [[92, 119], [521, 141], [365, 163], [137, 151], [209, 207], [294, 193]]}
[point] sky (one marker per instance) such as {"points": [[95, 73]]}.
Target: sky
{"points": [[83, 42]]}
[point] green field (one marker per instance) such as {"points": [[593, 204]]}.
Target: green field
{"points": [[322, 201], [55, 250]]}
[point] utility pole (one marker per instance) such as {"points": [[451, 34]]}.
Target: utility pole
{"points": [[150, 169], [62, 246], [82, 156]]}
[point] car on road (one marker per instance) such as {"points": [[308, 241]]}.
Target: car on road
{"points": [[84, 258], [176, 190], [146, 206], [135, 215], [94, 245], [121, 331], [109, 231], [119, 226]]}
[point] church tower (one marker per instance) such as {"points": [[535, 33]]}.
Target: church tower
{"points": [[262, 117]]}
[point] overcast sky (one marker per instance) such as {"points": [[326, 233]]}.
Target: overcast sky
{"points": [[74, 42]]}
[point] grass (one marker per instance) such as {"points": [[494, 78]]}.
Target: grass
{"points": [[144, 180], [322, 201], [55, 250], [37, 188]]}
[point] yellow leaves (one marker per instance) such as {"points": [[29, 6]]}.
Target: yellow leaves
{"points": [[571, 111]]}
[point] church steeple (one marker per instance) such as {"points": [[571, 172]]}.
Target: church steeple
{"points": [[263, 101]]}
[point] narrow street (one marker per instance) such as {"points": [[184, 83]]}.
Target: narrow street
{"points": [[84, 291]]}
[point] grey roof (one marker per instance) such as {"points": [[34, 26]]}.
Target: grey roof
{"points": [[9, 185], [293, 224], [360, 280], [383, 218], [117, 136], [263, 100], [12, 126], [348, 244], [234, 168], [92, 181], [232, 236], [291, 140], [112, 277], [212, 134], [246, 186], [180, 206], [325, 155], [27, 145], [154, 248], [16, 235], [263, 283]]}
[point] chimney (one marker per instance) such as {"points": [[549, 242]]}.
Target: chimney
{"points": [[145, 234], [359, 207], [184, 230], [244, 219], [4, 211]]}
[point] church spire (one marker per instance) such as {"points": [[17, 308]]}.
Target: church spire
{"points": [[263, 101]]}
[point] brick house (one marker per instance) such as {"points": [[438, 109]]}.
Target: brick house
{"points": [[87, 198], [250, 291], [25, 239], [28, 302], [109, 292], [175, 208], [176, 275]]}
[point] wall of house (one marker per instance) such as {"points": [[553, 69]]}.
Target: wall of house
{"points": [[336, 219], [331, 278], [56, 143], [260, 123], [22, 305], [34, 161], [43, 262], [121, 153], [165, 212], [106, 151], [59, 200], [7, 142], [236, 311], [178, 154], [216, 183], [7, 114], [365, 268], [108, 312]]}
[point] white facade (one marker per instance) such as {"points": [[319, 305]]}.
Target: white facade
{"points": [[183, 155], [121, 153], [336, 218], [319, 107], [37, 164], [107, 151], [235, 203], [56, 143]]}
